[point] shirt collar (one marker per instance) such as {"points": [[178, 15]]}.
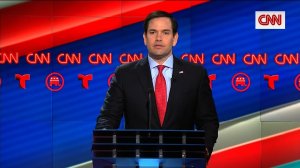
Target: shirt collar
{"points": [[168, 63]]}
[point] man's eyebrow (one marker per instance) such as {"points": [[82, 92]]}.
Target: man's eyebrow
{"points": [[162, 30]]}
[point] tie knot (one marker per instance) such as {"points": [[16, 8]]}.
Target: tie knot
{"points": [[160, 68]]}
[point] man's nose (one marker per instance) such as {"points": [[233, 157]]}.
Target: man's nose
{"points": [[158, 36]]}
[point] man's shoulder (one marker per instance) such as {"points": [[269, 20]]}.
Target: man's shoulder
{"points": [[131, 65], [189, 65]]}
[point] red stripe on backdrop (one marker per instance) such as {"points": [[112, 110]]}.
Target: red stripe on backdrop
{"points": [[267, 152], [281, 149], [35, 26]]}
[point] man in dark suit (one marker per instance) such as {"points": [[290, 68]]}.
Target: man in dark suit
{"points": [[180, 91]]}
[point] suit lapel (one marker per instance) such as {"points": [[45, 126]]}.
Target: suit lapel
{"points": [[144, 74], [145, 79], [177, 69]]}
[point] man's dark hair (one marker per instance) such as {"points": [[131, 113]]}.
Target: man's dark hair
{"points": [[157, 14]]}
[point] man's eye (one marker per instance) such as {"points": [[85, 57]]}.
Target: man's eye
{"points": [[151, 32], [166, 33]]}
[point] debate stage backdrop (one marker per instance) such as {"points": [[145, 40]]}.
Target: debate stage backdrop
{"points": [[57, 58]]}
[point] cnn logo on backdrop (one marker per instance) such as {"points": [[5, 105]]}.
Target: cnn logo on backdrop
{"points": [[269, 19]]}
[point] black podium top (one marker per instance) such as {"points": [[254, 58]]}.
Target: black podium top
{"points": [[149, 143]]}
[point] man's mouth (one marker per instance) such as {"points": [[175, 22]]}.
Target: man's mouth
{"points": [[158, 46]]}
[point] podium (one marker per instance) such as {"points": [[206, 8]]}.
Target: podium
{"points": [[148, 148]]}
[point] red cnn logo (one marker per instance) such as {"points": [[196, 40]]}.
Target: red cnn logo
{"points": [[270, 19], [267, 19]]}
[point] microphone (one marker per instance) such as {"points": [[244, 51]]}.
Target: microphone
{"points": [[150, 105]]}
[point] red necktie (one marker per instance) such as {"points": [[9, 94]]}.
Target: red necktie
{"points": [[161, 94]]}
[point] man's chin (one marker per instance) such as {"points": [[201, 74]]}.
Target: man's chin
{"points": [[158, 56]]}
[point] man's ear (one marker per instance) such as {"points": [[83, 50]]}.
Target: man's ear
{"points": [[144, 36], [176, 36]]}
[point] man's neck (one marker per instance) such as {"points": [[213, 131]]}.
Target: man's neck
{"points": [[161, 60]]}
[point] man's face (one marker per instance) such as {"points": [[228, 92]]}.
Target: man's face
{"points": [[159, 38]]}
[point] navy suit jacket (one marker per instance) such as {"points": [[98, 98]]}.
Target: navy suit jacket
{"points": [[190, 104]]}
